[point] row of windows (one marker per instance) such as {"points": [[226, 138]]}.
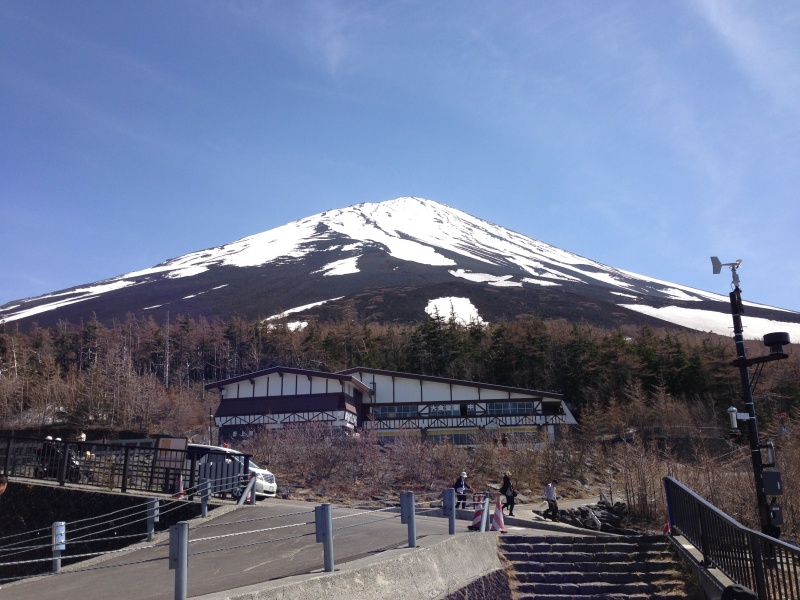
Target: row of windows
{"points": [[510, 408], [451, 410], [395, 412]]}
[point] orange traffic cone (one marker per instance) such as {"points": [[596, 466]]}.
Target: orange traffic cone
{"points": [[497, 520], [476, 518], [178, 486]]}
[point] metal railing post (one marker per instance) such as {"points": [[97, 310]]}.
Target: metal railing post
{"points": [[324, 526], [152, 517], [408, 517], [756, 545], [62, 464], [8, 456], [249, 489], [449, 509], [124, 485], [59, 543], [192, 474], [485, 514], [205, 493], [179, 556]]}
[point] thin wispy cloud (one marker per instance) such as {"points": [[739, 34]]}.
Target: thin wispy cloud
{"points": [[641, 134], [762, 37]]}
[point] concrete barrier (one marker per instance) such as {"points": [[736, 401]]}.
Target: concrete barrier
{"points": [[439, 566]]}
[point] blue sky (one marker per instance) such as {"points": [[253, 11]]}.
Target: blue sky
{"points": [[644, 135]]}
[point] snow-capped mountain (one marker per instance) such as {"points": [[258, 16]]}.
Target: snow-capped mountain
{"points": [[395, 261]]}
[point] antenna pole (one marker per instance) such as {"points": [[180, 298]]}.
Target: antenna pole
{"points": [[747, 393]]}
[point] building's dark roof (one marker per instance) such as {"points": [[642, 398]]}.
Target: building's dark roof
{"points": [[490, 386], [217, 385], [283, 404]]}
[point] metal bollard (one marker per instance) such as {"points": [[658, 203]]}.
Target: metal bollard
{"points": [[179, 556], [59, 544], [324, 524], [152, 517], [408, 517], [449, 508], [485, 515], [205, 493]]}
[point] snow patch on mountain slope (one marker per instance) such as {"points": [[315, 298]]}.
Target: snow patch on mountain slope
{"points": [[463, 309], [504, 282], [297, 309], [541, 282], [77, 295], [477, 277], [496, 280], [720, 323], [346, 266]]}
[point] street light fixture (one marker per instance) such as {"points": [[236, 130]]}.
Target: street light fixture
{"points": [[766, 482]]}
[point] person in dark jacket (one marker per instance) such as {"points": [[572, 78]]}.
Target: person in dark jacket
{"points": [[462, 487], [507, 489]]}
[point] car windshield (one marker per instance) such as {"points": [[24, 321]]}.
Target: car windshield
{"points": [[254, 465]]}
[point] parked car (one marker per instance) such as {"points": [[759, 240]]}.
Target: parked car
{"points": [[265, 484]]}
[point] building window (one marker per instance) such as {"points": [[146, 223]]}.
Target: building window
{"points": [[510, 408], [395, 412]]}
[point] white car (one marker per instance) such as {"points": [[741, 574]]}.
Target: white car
{"points": [[265, 484], [265, 480]]}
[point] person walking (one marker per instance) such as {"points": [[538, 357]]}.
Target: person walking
{"points": [[462, 487], [507, 489], [551, 494]]}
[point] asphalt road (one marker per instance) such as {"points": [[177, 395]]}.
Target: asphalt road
{"points": [[245, 546]]}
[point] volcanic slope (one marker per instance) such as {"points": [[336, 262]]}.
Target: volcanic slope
{"points": [[394, 261]]}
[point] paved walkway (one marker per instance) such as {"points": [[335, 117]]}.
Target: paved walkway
{"points": [[221, 559]]}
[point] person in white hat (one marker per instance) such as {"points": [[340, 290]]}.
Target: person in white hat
{"points": [[462, 487]]}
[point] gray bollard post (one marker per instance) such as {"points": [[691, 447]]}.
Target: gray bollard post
{"points": [[449, 508], [485, 515], [205, 492], [59, 544], [152, 517], [408, 517], [324, 523], [179, 556]]}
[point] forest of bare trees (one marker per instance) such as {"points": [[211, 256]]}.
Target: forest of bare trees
{"points": [[140, 375], [649, 402]]}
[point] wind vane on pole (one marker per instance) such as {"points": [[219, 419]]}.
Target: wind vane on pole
{"points": [[767, 483]]}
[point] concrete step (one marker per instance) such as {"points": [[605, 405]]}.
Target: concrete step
{"points": [[610, 596], [550, 567], [601, 589], [666, 565], [582, 577]]}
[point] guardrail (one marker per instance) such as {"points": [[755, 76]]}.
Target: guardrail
{"points": [[64, 538], [124, 466], [762, 563]]}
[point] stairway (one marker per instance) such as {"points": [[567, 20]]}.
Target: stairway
{"points": [[556, 567]]}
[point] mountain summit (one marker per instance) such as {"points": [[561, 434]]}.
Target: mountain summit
{"points": [[394, 261]]}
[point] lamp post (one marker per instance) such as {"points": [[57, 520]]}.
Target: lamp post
{"points": [[766, 483]]}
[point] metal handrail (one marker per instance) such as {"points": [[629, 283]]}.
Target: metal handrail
{"points": [[115, 465], [762, 563]]}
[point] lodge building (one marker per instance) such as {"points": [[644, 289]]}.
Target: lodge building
{"points": [[385, 402]]}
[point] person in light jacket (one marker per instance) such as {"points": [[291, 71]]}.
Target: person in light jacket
{"points": [[550, 494], [462, 487]]}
